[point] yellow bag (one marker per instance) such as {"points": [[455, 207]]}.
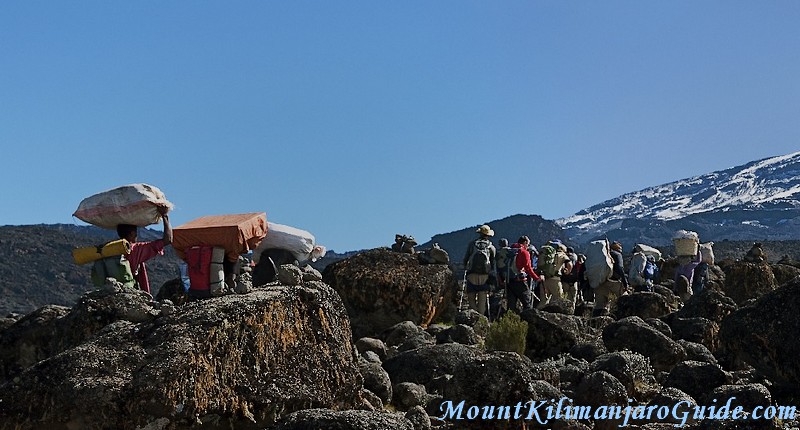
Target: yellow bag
{"points": [[89, 254]]}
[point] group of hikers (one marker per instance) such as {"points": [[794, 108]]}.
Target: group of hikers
{"points": [[527, 277]]}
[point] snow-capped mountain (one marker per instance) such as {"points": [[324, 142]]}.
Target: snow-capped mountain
{"points": [[758, 200]]}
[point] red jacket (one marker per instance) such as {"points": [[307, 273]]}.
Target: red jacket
{"points": [[523, 262]]}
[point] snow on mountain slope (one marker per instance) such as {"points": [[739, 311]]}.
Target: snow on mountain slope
{"points": [[769, 184]]}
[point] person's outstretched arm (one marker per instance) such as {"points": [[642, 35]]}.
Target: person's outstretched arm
{"points": [[167, 238]]}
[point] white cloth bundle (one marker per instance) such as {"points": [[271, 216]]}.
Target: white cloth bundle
{"points": [[299, 242], [135, 204]]}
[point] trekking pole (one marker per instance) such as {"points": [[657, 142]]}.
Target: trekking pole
{"points": [[534, 284], [463, 287]]}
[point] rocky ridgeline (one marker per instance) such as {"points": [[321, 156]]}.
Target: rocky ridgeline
{"points": [[362, 346]]}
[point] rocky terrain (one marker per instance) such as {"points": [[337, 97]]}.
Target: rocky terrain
{"points": [[375, 342]]}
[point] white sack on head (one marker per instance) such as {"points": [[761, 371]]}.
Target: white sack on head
{"points": [[299, 242], [135, 204]]}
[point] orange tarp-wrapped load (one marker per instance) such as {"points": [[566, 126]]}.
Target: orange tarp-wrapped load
{"points": [[237, 233]]}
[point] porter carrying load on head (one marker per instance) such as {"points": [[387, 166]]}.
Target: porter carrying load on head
{"points": [[125, 209]]}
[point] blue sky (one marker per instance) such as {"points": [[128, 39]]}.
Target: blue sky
{"points": [[357, 120]]}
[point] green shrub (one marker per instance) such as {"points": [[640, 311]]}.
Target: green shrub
{"points": [[507, 334]]}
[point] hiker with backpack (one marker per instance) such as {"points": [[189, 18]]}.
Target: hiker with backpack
{"points": [[479, 266], [522, 277], [569, 280], [585, 291], [611, 279], [642, 270], [143, 251], [553, 262], [502, 262]]}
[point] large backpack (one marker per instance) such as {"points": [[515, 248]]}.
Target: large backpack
{"points": [[599, 264], [511, 263], [480, 262], [501, 259], [206, 274], [116, 267], [547, 261], [638, 266]]}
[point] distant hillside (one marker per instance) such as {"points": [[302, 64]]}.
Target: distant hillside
{"points": [[538, 229], [36, 266]]}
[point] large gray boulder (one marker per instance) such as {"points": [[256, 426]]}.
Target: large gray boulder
{"points": [[644, 305], [709, 304], [238, 361], [632, 369], [381, 288], [744, 281], [427, 365], [550, 334], [764, 335], [696, 378], [634, 334]]}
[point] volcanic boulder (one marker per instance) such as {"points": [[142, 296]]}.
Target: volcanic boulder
{"points": [[239, 361], [381, 288], [745, 281], [764, 335], [636, 335]]}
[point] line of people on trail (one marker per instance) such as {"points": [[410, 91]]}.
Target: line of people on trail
{"points": [[528, 277]]}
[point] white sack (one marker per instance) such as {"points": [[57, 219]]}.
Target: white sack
{"points": [[599, 264], [685, 234], [649, 251], [135, 204], [299, 242], [707, 252]]}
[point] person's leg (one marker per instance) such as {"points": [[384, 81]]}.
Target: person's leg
{"points": [[571, 291], [482, 301], [600, 299], [525, 297], [472, 297], [555, 290]]}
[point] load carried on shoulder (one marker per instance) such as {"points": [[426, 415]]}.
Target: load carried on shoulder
{"points": [[599, 264], [211, 246], [300, 243], [283, 245], [135, 204], [643, 268]]}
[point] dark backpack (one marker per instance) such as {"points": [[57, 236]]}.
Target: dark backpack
{"points": [[511, 263], [480, 262], [547, 261]]}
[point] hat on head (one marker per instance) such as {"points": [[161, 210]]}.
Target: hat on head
{"points": [[503, 242], [485, 230]]}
